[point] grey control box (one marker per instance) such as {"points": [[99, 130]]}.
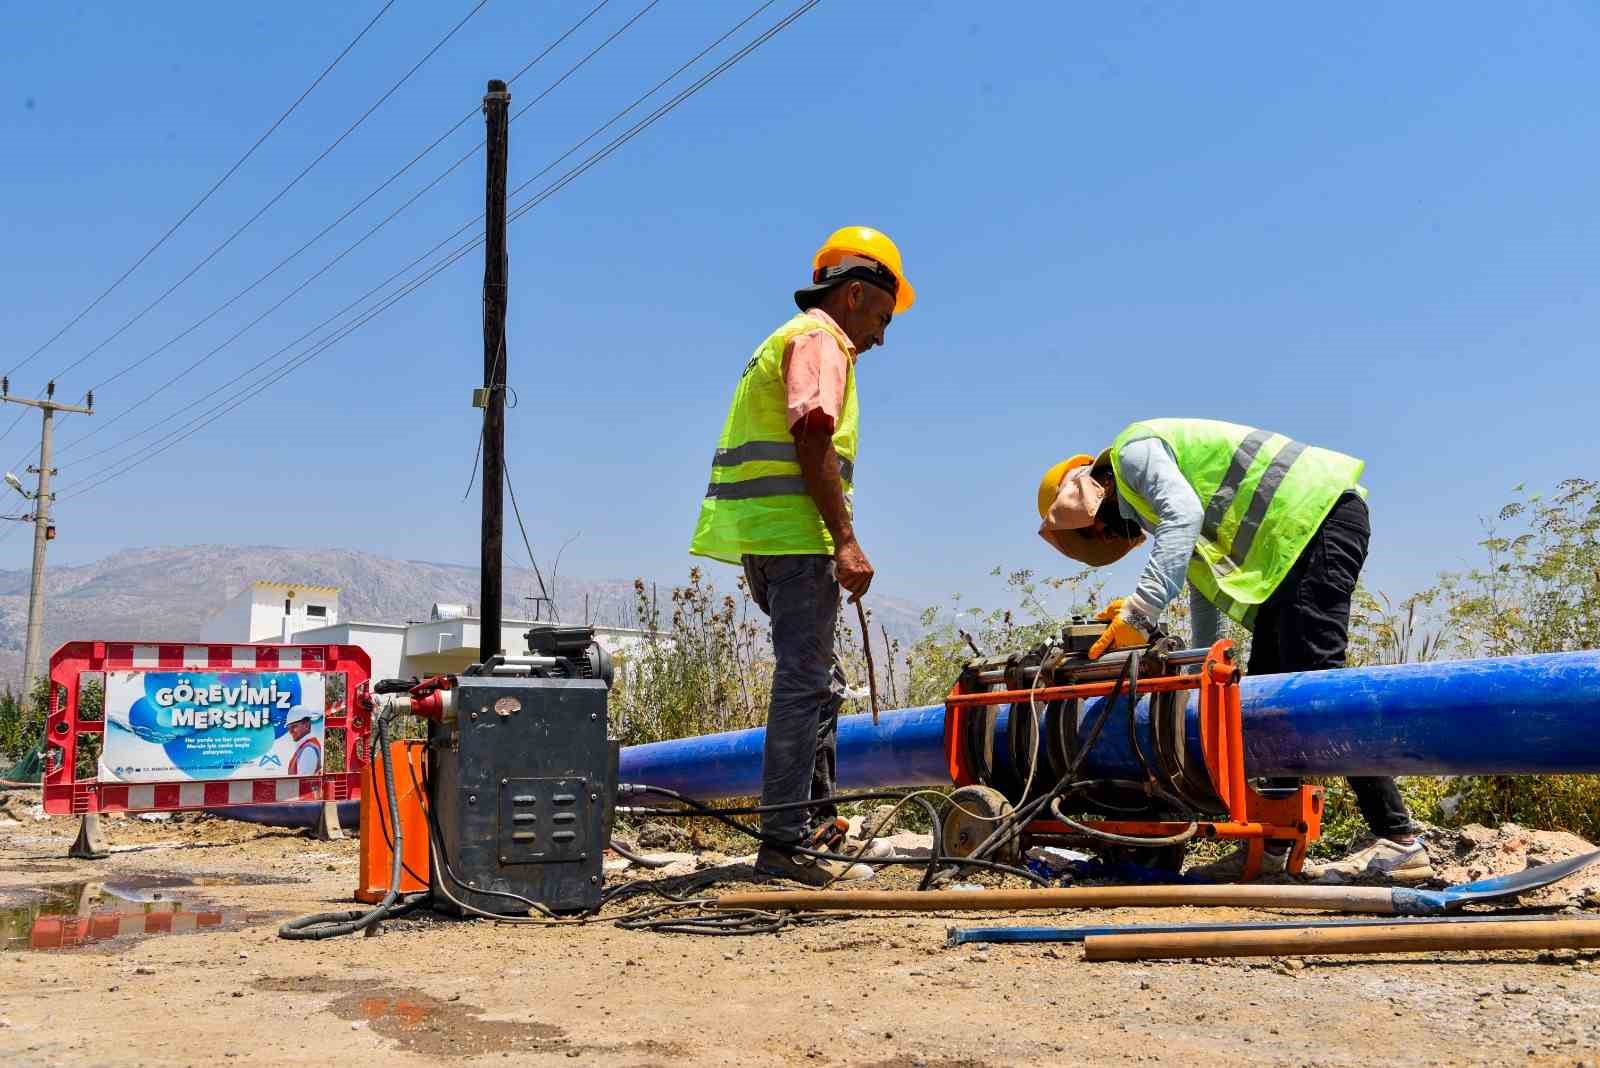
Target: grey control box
{"points": [[522, 786]]}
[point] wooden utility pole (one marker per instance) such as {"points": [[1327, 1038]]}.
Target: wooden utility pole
{"points": [[496, 104], [43, 530]]}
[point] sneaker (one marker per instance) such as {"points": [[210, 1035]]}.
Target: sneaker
{"points": [[1383, 859], [1230, 869], [877, 849], [772, 863]]}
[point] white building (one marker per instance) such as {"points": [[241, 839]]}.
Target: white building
{"points": [[271, 612], [446, 643]]}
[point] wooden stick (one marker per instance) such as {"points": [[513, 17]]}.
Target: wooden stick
{"points": [[872, 672], [1368, 899], [1407, 938]]}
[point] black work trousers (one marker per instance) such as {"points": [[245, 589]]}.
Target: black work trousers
{"points": [[1305, 626], [800, 594]]}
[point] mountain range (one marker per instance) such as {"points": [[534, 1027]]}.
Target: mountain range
{"points": [[166, 593]]}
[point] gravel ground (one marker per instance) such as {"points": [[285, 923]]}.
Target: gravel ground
{"points": [[877, 990]]}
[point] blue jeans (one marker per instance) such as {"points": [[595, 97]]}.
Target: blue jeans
{"points": [[800, 595]]}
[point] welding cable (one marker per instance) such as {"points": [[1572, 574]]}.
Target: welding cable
{"points": [[635, 858], [1124, 839], [725, 816], [334, 924]]}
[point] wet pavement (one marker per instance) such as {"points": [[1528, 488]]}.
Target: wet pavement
{"points": [[65, 915]]}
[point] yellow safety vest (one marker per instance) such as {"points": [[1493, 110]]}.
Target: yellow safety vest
{"points": [[1264, 496], [757, 500]]}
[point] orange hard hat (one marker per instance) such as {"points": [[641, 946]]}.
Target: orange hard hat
{"points": [[841, 256]]}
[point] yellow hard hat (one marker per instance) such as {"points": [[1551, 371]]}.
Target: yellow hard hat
{"points": [[1083, 546], [1050, 484], [833, 262]]}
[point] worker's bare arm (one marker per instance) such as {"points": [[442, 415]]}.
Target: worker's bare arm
{"points": [[819, 466]]}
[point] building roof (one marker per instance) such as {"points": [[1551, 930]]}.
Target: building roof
{"points": [[307, 586]]}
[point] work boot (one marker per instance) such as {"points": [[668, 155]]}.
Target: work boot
{"points": [[775, 863], [1384, 859], [1230, 869]]}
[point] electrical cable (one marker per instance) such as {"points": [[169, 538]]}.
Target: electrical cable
{"points": [[1146, 841], [118, 468], [240, 162], [637, 858], [280, 194], [139, 405], [516, 510], [334, 924]]}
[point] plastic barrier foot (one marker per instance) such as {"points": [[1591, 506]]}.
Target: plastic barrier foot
{"points": [[328, 827], [91, 842]]}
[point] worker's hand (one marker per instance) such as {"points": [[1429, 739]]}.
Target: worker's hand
{"points": [[1123, 633], [852, 569]]}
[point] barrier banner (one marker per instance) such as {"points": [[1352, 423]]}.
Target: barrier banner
{"points": [[177, 726], [188, 726]]}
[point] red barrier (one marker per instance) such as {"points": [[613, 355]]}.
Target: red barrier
{"points": [[66, 794]]}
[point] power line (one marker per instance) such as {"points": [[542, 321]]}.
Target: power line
{"points": [[240, 162], [117, 469], [359, 241], [276, 197], [464, 227]]}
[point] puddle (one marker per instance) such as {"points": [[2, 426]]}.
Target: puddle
{"points": [[65, 915], [421, 1023]]}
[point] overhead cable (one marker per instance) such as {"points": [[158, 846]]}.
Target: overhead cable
{"points": [[138, 405], [229, 173], [116, 469]]}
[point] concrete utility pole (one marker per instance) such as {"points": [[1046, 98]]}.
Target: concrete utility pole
{"points": [[43, 529], [496, 103]]}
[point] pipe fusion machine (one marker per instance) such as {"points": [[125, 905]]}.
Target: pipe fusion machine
{"points": [[1021, 727]]}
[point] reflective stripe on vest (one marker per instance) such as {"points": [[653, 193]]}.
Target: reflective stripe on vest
{"points": [[1264, 496], [756, 501]]}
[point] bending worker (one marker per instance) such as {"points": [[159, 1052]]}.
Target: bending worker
{"points": [[779, 504], [1270, 532]]}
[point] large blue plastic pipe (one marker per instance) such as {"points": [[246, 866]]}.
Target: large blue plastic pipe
{"points": [[1508, 715], [906, 748]]}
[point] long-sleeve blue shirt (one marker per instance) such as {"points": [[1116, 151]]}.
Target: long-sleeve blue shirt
{"points": [[1148, 468]]}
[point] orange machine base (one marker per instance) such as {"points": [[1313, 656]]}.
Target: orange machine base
{"points": [[408, 758]]}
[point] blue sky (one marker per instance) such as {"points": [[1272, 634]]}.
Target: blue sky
{"points": [[1369, 226]]}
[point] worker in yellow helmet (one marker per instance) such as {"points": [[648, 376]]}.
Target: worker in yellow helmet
{"points": [[779, 505], [1269, 532]]}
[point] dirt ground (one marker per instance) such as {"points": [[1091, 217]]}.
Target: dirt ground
{"points": [[875, 991]]}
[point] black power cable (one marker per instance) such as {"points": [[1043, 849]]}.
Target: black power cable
{"points": [[114, 470], [139, 405], [229, 173]]}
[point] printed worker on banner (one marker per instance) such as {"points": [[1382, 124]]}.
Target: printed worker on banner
{"points": [[307, 758], [164, 726]]}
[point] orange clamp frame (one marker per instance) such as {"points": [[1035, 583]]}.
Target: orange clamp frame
{"points": [[1252, 817]]}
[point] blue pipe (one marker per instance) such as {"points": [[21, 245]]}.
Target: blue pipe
{"points": [[906, 748], [1507, 715]]}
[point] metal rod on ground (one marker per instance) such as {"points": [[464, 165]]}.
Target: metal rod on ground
{"points": [[495, 105], [960, 936], [872, 672], [43, 531], [1372, 899], [1393, 938]]}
